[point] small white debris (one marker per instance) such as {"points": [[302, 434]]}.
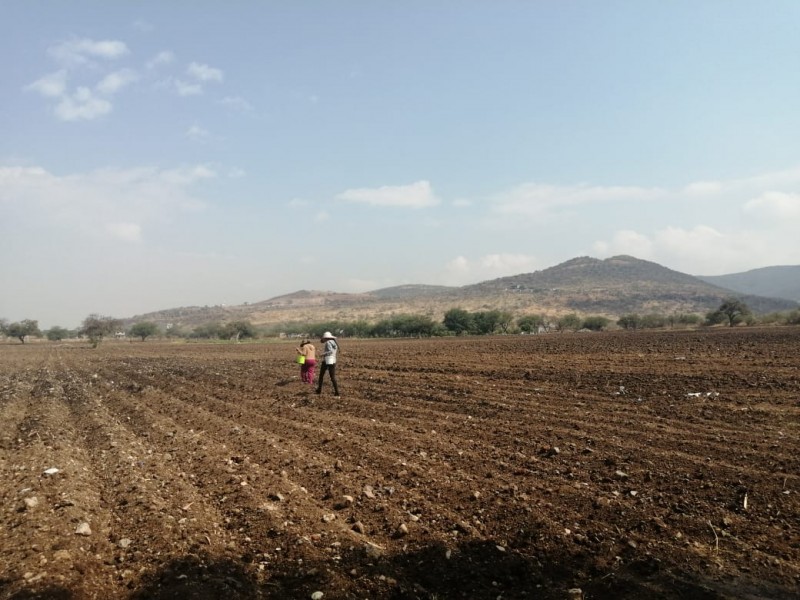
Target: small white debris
{"points": [[317, 596], [83, 529], [51, 471]]}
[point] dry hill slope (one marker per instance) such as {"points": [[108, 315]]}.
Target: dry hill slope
{"points": [[610, 287]]}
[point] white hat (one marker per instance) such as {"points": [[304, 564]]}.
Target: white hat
{"points": [[327, 336]]}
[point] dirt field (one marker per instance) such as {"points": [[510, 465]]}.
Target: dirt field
{"points": [[629, 465]]}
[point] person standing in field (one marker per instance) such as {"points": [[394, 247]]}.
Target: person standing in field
{"points": [[309, 352], [329, 350]]}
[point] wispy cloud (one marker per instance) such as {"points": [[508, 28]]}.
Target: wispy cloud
{"points": [[781, 207], [236, 103], [117, 202], [52, 85], [197, 133], [114, 82], [82, 105], [718, 227], [164, 57], [199, 75], [143, 26], [462, 270], [188, 89], [81, 58], [204, 73], [537, 200], [415, 195], [77, 52]]}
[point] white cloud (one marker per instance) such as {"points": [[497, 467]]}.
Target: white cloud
{"points": [[127, 232], [461, 203], [626, 242], [164, 57], [236, 173], [204, 73], [197, 133], [82, 105], [703, 188], [536, 200], [462, 271], [782, 207], [118, 202], [77, 52], [50, 86], [322, 216], [187, 175], [114, 82], [236, 103], [188, 89], [415, 195], [143, 26], [705, 250]]}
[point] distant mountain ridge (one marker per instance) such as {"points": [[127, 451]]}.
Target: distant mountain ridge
{"points": [[584, 285], [773, 282]]}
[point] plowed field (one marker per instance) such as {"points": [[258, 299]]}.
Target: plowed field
{"points": [[629, 465]]}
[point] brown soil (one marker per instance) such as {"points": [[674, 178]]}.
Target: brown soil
{"points": [[646, 465]]}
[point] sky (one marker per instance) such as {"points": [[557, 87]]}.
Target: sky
{"points": [[163, 154]]}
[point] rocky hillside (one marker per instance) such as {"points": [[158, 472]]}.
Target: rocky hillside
{"points": [[587, 286], [774, 282]]}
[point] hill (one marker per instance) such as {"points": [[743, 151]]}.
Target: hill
{"points": [[773, 282], [584, 285]]}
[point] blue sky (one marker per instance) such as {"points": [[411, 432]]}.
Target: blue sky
{"points": [[161, 154]]}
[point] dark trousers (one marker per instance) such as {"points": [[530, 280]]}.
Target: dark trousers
{"points": [[332, 370]]}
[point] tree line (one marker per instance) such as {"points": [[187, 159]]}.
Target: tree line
{"points": [[456, 321]]}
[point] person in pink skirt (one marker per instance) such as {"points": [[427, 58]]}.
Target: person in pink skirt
{"points": [[309, 351]]}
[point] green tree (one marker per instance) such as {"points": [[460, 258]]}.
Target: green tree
{"points": [[236, 330], [416, 326], [653, 321], [23, 329], [570, 322], [486, 322], [96, 327], [144, 329], [175, 332], [735, 310], [531, 323], [56, 334], [505, 320], [209, 330], [688, 319], [596, 323], [458, 321], [715, 317], [630, 321]]}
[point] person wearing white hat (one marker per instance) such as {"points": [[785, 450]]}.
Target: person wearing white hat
{"points": [[329, 350]]}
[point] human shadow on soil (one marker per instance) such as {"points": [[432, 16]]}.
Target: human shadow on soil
{"points": [[476, 570]]}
